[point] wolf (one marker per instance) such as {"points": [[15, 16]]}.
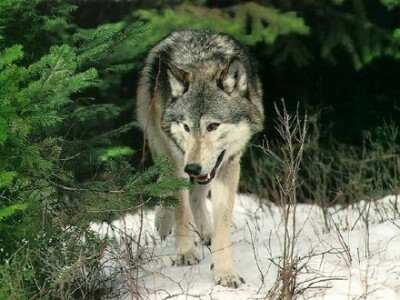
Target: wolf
{"points": [[199, 101]]}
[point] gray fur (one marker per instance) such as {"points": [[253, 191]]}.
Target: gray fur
{"points": [[200, 101], [205, 55]]}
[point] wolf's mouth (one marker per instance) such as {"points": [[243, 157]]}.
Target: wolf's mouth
{"points": [[210, 176]]}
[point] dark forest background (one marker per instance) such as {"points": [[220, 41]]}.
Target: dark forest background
{"points": [[71, 152]]}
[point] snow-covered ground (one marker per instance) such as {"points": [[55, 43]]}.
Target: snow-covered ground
{"points": [[357, 258]]}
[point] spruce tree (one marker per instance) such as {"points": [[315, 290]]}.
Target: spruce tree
{"points": [[62, 163]]}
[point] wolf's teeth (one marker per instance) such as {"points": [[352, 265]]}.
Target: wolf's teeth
{"points": [[205, 179]]}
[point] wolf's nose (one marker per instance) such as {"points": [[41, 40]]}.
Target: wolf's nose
{"points": [[193, 169]]}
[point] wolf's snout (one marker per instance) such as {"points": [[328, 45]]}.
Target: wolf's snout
{"points": [[193, 169]]}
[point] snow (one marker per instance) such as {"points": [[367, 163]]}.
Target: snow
{"points": [[357, 258]]}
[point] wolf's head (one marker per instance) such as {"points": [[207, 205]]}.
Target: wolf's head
{"points": [[210, 115]]}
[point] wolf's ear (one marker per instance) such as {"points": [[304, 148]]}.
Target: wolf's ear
{"points": [[234, 77], [178, 80]]}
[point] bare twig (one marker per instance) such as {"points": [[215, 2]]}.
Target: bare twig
{"points": [[262, 277], [293, 133]]}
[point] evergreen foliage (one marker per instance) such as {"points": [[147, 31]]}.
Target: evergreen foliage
{"points": [[339, 25], [390, 4], [250, 22], [61, 163], [363, 40]]}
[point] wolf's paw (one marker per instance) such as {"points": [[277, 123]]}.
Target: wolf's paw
{"points": [[164, 221], [186, 259], [163, 231], [228, 278]]}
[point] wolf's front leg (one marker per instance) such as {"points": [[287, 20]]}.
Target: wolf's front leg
{"points": [[223, 191], [184, 232], [198, 203]]}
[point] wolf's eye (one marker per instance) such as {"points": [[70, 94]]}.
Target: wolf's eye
{"points": [[212, 126], [186, 127]]}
